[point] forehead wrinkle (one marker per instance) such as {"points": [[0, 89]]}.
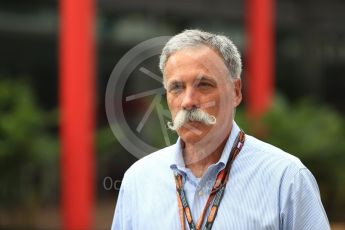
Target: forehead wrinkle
{"points": [[191, 55], [194, 61]]}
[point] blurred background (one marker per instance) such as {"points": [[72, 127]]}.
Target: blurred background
{"points": [[305, 119]]}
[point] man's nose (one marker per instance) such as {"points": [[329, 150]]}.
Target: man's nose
{"points": [[189, 100]]}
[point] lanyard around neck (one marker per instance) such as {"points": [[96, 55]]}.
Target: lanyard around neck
{"points": [[216, 194]]}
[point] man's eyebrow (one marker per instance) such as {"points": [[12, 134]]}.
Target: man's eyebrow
{"points": [[173, 82]]}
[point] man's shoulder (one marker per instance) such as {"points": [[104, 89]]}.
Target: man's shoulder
{"points": [[265, 151], [156, 162]]}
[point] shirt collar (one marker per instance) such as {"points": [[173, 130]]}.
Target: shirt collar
{"points": [[177, 162]]}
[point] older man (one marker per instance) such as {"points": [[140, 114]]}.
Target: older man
{"points": [[215, 176]]}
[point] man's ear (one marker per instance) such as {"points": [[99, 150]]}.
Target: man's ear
{"points": [[237, 92]]}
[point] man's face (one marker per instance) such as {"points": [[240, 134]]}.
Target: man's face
{"points": [[197, 77]]}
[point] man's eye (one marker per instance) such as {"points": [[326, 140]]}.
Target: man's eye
{"points": [[204, 85]]}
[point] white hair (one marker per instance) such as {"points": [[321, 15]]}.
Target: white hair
{"points": [[221, 44]]}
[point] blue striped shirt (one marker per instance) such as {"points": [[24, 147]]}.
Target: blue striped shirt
{"points": [[267, 189]]}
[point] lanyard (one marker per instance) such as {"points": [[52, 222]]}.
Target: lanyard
{"points": [[216, 194]]}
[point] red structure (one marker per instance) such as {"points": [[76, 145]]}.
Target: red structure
{"points": [[77, 89], [260, 55]]}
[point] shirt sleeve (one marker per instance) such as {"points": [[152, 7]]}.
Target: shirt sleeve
{"points": [[122, 215], [301, 207]]}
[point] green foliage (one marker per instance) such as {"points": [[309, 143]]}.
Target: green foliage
{"points": [[316, 131], [28, 151]]}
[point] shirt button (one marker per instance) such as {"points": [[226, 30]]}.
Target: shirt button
{"points": [[200, 193]]}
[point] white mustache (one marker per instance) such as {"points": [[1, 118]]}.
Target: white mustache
{"points": [[183, 116]]}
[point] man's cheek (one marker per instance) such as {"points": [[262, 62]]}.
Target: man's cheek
{"points": [[173, 115]]}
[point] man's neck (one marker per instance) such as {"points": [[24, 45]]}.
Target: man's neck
{"points": [[198, 158]]}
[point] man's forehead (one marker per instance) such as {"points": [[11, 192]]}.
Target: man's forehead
{"points": [[199, 61], [196, 79]]}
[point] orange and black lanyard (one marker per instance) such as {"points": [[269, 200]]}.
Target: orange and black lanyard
{"points": [[216, 193]]}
